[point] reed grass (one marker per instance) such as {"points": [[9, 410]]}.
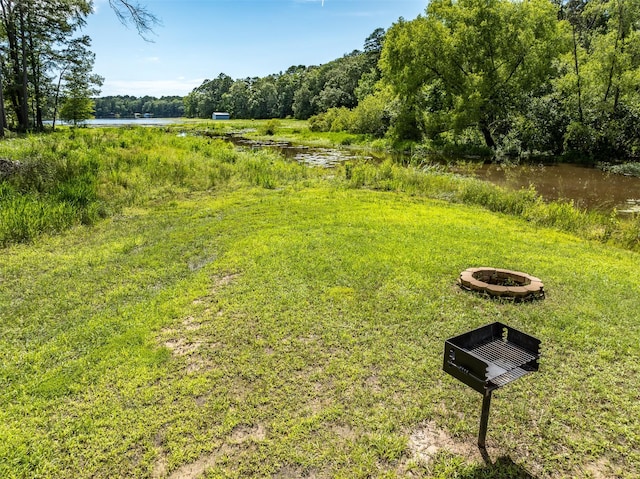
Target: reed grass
{"points": [[434, 181]]}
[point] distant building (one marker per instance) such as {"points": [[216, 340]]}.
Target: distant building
{"points": [[217, 115]]}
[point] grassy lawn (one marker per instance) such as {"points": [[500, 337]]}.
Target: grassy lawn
{"points": [[298, 332]]}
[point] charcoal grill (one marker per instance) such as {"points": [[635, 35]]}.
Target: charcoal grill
{"points": [[489, 358]]}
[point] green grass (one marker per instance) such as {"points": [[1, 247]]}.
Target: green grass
{"points": [[299, 331], [295, 131], [238, 316]]}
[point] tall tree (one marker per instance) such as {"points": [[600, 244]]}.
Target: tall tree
{"points": [[471, 60], [76, 84], [31, 31], [601, 76]]}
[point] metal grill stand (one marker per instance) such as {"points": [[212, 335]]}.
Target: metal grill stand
{"points": [[488, 358]]}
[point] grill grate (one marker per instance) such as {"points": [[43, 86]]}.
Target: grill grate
{"points": [[509, 376], [503, 354], [479, 357]]}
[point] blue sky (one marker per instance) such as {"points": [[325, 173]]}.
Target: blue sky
{"points": [[199, 39]]}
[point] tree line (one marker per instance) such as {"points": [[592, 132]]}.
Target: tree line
{"points": [[126, 106], [299, 92], [528, 76]]}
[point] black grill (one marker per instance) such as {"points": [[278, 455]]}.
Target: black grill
{"points": [[488, 358]]}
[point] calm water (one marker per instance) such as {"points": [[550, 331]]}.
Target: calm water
{"points": [[588, 187], [132, 121]]}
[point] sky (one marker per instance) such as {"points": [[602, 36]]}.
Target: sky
{"points": [[199, 39]]}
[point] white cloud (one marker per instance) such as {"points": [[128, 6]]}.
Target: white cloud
{"points": [[157, 88], [97, 5]]}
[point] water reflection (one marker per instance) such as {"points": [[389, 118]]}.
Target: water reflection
{"points": [[589, 188], [321, 157]]}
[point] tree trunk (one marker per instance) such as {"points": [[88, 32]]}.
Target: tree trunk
{"points": [[3, 114], [24, 104], [488, 138], [14, 88], [577, 68]]}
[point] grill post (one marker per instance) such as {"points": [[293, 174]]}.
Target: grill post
{"points": [[484, 419]]}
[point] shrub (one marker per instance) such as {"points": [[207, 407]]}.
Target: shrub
{"points": [[371, 117], [270, 127]]}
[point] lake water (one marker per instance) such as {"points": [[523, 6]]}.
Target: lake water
{"points": [[589, 188], [113, 122]]}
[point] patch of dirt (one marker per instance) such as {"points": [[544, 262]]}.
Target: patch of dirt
{"points": [[598, 470], [222, 281], [239, 435], [196, 469], [182, 347], [428, 440], [160, 468], [191, 324], [242, 434], [290, 472], [373, 383], [344, 432]]}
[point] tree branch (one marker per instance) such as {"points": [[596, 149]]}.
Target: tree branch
{"points": [[129, 12]]}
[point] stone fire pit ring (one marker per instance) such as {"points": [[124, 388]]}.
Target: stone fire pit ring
{"points": [[502, 283]]}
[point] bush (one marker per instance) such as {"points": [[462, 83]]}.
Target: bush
{"points": [[270, 127], [371, 117]]}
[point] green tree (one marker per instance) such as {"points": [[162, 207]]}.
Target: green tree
{"points": [[208, 97], [32, 32], [263, 100], [78, 85], [473, 60], [601, 77]]}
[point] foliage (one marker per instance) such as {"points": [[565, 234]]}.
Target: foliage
{"points": [[629, 169], [470, 62], [372, 116], [77, 84], [33, 35], [301, 91], [37, 46], [125, 106], [270, 127], [79, 176], [76, 109]]}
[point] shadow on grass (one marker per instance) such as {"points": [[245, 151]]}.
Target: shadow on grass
{"points": [[502, 468]]}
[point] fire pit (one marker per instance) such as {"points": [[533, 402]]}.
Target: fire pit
{"points": [[488, 358], [502, 283]]}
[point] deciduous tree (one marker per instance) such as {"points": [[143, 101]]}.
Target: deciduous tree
{"points": [[474, 60]]}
